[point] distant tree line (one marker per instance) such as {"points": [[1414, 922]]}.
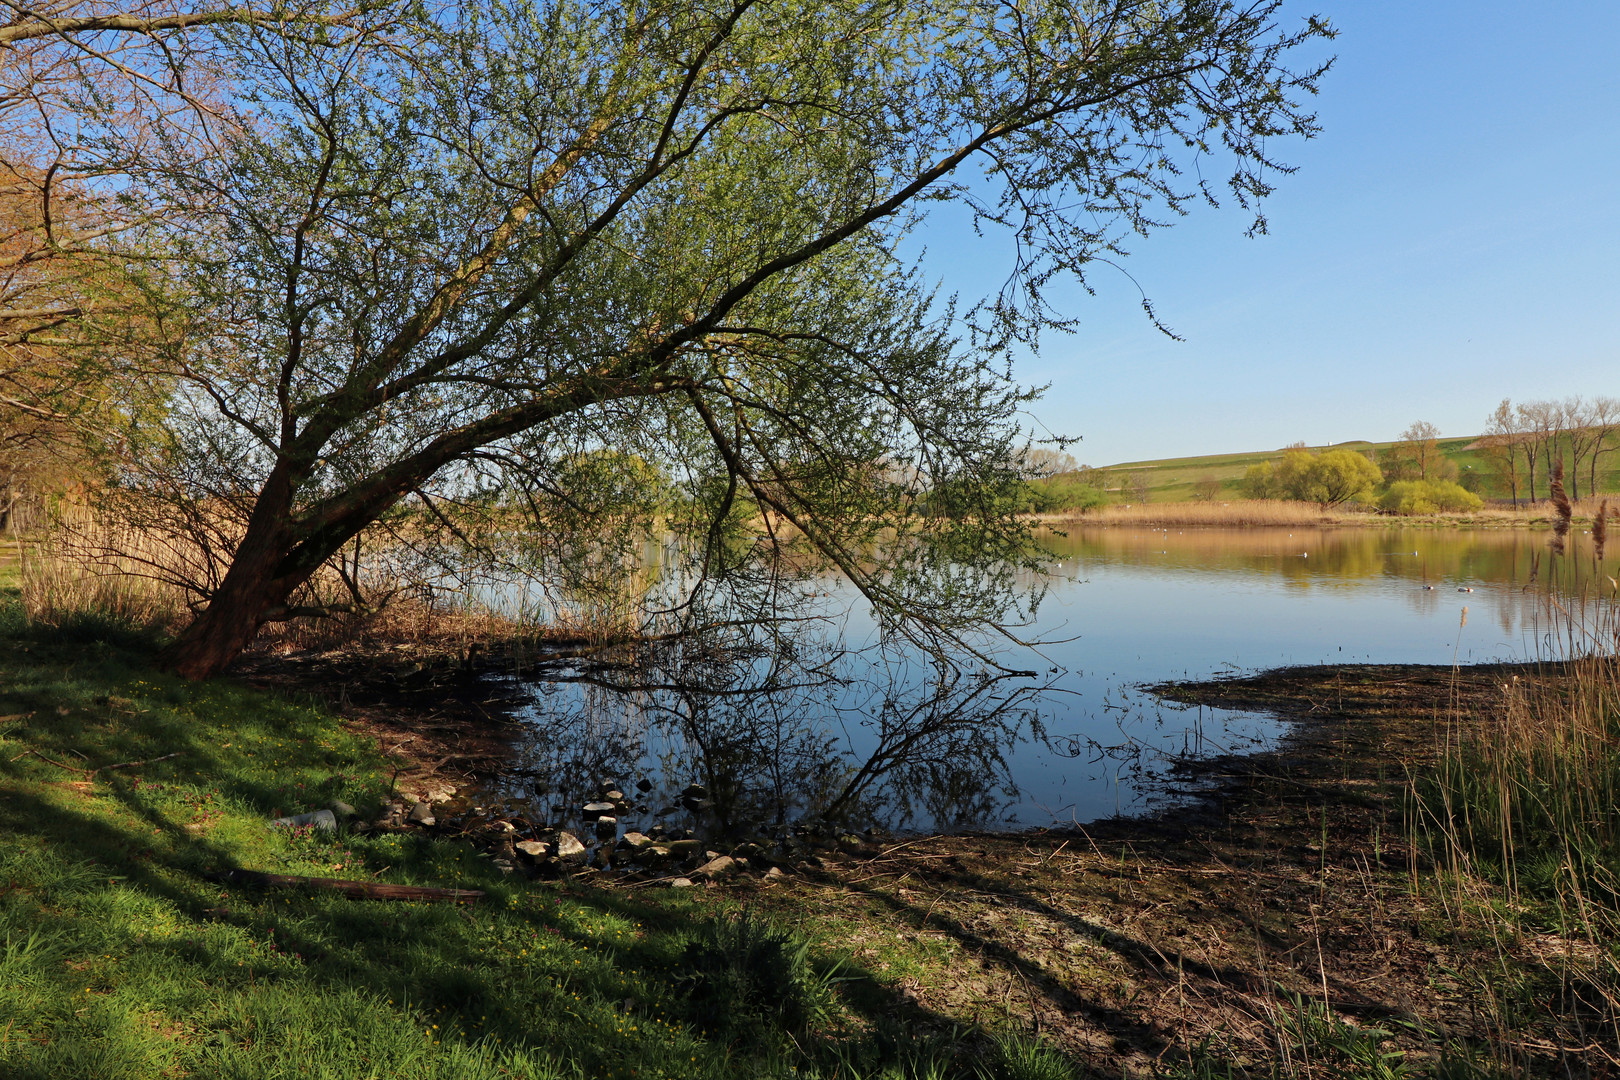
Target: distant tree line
{"points": [[1521, 447], [1524, 442]]}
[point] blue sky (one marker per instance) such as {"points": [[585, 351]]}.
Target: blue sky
{"points": [[1452, 237]]}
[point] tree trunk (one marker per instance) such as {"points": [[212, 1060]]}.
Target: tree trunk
{"points": [[227, 625], [251, 589], [277, 555]]}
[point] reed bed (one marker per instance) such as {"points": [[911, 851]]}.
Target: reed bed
{"points": [[91, 576], [105, 594], [1521, 819]]}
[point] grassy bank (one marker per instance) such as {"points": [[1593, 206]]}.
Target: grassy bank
{"points": [[1298, 923]]}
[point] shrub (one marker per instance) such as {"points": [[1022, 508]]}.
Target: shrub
{"points": [[1428, 497], [1068, 491], [1328, 479]]}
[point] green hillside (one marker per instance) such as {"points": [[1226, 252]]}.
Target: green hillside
{"points": [[1173, 479]]}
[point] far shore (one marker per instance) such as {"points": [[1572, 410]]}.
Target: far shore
{"points": [[1263, 512]]}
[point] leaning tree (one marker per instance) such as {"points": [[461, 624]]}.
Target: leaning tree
{"points": [[446, 266]]}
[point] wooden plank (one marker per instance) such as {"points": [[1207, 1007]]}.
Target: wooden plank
{"points": [[359, 890]]}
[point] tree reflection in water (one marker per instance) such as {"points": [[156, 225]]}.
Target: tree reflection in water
{"points": [[780, 728]]}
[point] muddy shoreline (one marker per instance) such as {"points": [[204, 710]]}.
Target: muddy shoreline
{"points": [[1288, 885]]}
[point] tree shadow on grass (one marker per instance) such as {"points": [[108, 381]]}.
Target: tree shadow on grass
{"points": [[542, 973]]}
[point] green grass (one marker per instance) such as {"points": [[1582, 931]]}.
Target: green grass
{"points": [[119, 958]]}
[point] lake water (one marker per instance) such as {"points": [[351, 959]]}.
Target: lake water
{"points": [[791, 731]]}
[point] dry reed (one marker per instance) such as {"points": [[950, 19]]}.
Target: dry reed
{"points": [[60, 590], [1522, 817]]}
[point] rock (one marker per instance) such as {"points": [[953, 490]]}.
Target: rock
{"points": [[634, 840], [694, 791], [503, 865], [681, 883], [697, 806], [320, 819], [421, 813], [774, 874], [532, 850], [392, 816], [433, 791], [723, 866], [593, 810], [644, 785], [343, 809], [569, 849], [652, 853], [614, 796], [747, 850], [680, 849], [607, 827]]}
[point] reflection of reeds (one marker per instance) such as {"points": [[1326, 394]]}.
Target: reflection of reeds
{"points": [[1246, 512], [1600, 528]]}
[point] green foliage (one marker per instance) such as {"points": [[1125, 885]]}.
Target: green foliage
{"points": [[478, 245], [1428, 497], [1066, 492], [1329, 478], [1320, 1037], [1024, 1057], [741, 970]]}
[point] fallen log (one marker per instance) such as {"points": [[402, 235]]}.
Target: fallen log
{"points": [[359, 890]]}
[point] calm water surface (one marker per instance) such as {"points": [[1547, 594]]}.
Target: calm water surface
{"points": [[789, 732]]}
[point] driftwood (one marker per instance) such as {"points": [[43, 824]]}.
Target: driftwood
{"points": [[90, 774], [359, 890], [135, 764]]}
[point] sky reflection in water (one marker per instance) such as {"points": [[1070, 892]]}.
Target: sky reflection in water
{"points": [[786, 733]]}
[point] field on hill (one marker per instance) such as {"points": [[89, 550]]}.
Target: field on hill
{"points": [[1173, 479]]}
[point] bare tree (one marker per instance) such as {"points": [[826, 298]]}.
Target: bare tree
{"points": [[104, 107], [1503, 445], [1539, 421], [1603, 417]]}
